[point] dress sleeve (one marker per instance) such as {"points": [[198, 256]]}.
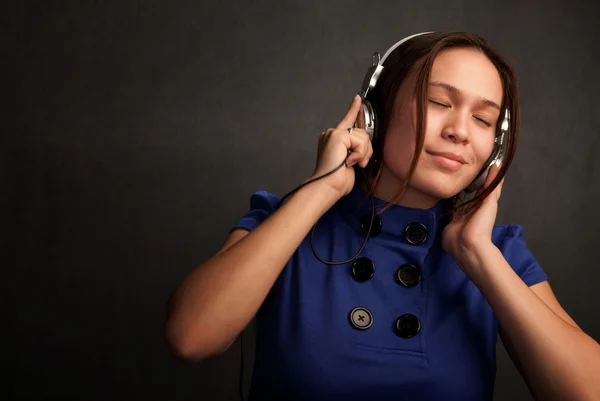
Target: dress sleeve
{"points": [[262, 205], [519, 257]]}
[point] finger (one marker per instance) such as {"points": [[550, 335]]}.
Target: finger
{"points": [[493, 173], [363, 163], [365, 149], [350, 118], [366, 139], [499, 189], [357, 145]]}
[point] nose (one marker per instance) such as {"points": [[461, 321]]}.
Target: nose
{"points": [[455, 129]]}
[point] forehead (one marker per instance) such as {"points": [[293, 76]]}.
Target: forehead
{"points": [[470, 71]]}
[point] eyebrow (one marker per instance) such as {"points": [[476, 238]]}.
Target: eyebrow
{"points": [[453, 89]]}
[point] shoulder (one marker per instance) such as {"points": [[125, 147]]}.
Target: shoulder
{"points": [[264, 200], [262, 205], [510, 239], [504, 234]]}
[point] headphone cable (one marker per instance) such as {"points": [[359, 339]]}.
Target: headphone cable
{"points": [[241, 383]]}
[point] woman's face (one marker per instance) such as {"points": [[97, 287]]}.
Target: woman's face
{"points": [[464, 98]]}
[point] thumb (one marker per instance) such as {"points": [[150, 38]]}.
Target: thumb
{"points": [[350, 118]]}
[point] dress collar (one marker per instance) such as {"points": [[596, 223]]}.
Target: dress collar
{"points": [[356, 210]]}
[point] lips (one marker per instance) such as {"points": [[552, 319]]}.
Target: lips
{"points": [[448, 161], [450, 155]]}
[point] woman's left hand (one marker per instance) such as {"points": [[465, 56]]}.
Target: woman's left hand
{"points": [[465, 236]]}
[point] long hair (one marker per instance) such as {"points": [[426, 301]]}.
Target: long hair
{"points": [[397, 66]]}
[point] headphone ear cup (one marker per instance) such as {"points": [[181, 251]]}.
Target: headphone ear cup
{"points": [[478, 181], [367, 119], [482, 176]]}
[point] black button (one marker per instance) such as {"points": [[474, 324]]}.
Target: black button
{"points": [[408, 326], [409, 275], [415, 233], [363, 269], [375, 228], [361, 318]]}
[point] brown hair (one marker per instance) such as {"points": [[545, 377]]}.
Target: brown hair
{"points": [[396, 67]]}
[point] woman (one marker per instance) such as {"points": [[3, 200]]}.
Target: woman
{"points": [[415, 315]]}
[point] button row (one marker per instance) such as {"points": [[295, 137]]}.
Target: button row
{"points": [[408, 274], [407, 325], [414, 233]]}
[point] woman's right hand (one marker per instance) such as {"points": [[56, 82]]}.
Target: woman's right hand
{"points": [[335, 144]]}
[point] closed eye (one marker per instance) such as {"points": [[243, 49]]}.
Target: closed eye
{"points": [[487, 124], [447, 106], [439, 104]]}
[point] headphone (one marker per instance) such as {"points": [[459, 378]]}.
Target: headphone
{"points": [[368, 120]]}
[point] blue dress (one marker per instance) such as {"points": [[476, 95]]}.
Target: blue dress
{"points": [[402, 322]]}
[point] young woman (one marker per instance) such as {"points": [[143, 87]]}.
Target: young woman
{"points": [[402, 286]]}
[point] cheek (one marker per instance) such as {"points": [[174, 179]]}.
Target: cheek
{"points": [[400, 141], [399, 148], [483, 149]]}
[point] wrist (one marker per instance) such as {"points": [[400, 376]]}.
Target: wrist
{"points": [[321, 191], [473, 256], [324, 188]]}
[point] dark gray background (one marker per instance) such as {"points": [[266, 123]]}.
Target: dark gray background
{"points": [[135, 132]]}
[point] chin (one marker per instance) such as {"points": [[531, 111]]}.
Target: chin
{"points": [[438, 186]]}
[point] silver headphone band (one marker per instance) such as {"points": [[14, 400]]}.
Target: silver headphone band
{"points": [[401, 41], [375, 70]]}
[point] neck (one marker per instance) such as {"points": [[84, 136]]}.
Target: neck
{"points": [[387, 187]]}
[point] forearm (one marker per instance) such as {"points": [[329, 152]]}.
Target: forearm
{"points": [[220, 297], [559, 360]]}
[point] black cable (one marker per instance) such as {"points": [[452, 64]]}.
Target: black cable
{"points": [[312, 233], [313, 180], [241, 384]]}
